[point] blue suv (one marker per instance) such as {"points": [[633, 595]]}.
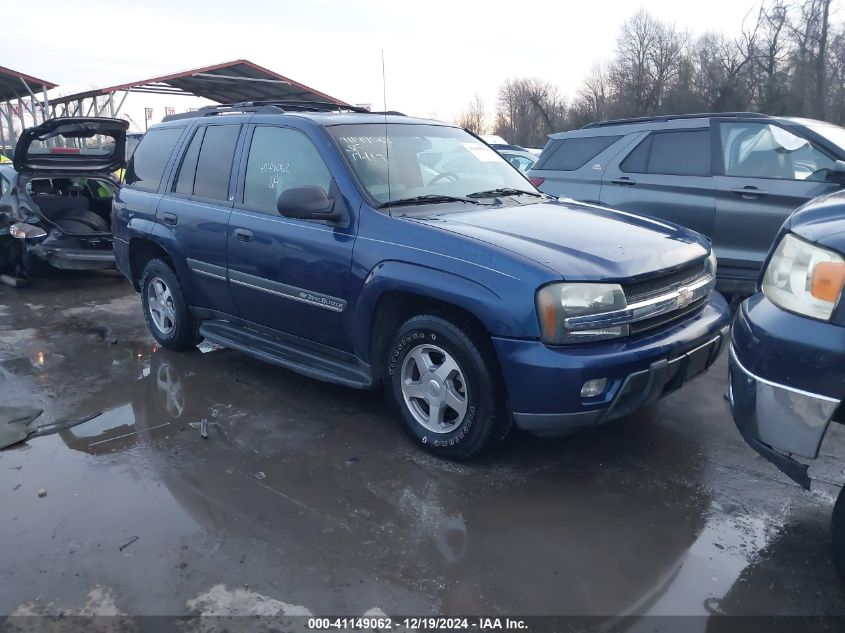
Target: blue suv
{"points": [[335, 243]]}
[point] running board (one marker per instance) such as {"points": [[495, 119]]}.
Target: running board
{"points": [[308, 362]]}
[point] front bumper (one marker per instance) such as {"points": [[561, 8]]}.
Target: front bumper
{"points": [[544, 382], [780, 421]]}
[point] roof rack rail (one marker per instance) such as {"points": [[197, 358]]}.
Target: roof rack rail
{"points": [[290, 105], [266, 107], [672, 117]]}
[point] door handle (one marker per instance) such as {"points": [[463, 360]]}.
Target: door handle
{"points": [[169, 218], [243, 235], [750, 192], [624, 180]]}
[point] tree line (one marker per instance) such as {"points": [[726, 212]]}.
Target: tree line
{"points": [[787, 59]]}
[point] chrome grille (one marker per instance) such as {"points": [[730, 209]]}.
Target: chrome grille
{"points": [[659, 285], [657, 308], [665, 319]]}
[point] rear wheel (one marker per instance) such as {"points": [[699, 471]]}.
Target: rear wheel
{"points": [[167, 314], [443, 383]]}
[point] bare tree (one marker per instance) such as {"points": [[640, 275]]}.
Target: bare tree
{"points": [[474, 118], [528, 110], [593, 98], [788, 58]]}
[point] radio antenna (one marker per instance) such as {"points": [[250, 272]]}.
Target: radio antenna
{"points": [[386, 141]]}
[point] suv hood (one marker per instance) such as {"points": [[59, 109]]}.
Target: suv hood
{"points": [[72, 144], [581, 241], [822, 221]]}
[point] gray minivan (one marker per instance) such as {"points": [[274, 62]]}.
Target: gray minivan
{"points": [[734, 177]]}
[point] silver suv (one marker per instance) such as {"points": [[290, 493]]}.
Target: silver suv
{"points": [[735, 177]]}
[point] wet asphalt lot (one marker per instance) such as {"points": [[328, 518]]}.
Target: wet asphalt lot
{"points": [[306, 497]]}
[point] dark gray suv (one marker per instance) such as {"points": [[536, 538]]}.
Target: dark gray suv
{"points": [[734, 177]]}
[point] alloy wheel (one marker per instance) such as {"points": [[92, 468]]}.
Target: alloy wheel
{"points": [[434, 388]]}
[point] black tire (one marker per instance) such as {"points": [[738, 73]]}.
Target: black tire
{"points": [[88, 218], [183, 331], [837, 525], [485, 420], [72, 227]]}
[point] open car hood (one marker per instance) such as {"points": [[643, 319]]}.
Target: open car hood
{"points": [[73, 144]]}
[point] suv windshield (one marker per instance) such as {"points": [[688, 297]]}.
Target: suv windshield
{"points": [[832, 133], [439, 162]]}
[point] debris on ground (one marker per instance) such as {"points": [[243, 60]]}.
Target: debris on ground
{"points": [[42, 493], [14, 424], [128, 543], [14, 282], [15, 421], [202, 425], [260, 475]]}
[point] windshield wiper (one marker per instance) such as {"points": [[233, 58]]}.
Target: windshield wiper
{"points": [[504, 191], [431, 198]]}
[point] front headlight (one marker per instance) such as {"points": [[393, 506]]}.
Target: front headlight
{"points": [[557, 302], [804, 278], [24, 231]]}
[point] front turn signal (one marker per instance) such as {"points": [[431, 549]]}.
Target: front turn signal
{"points": [[827, 281]]}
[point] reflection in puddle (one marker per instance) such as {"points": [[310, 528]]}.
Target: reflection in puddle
{"points": [[713, 564]]}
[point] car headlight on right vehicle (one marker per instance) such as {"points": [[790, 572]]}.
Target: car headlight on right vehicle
{"points": [[804, 278]]}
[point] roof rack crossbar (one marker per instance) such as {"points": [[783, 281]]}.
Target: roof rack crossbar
{"points": [[673, 117]]}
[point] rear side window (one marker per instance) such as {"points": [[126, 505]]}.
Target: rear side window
{"points": [[281, 158], [683, 153], [573, 153], [150, 158], [214, 164], [188, 168]]}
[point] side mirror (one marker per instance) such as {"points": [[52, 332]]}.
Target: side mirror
{"points": [[836, 173], [307, 203]]}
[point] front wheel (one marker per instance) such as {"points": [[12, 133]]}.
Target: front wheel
{"points": [[167, 314], [443, 383]]}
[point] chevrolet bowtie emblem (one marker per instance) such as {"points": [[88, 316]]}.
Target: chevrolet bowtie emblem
{"points": [[684, 297]]}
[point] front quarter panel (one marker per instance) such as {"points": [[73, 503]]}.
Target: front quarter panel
{"points": [[400, 255]]}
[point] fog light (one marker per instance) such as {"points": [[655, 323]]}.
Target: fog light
{"points": [[593, 388]]}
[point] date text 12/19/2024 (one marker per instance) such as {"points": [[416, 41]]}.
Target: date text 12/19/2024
{"points": [[417, 624]]}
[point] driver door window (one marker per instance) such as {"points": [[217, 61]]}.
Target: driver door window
{"points": [[281, 158], [761, 150]]}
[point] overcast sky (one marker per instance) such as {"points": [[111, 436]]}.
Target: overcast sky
{"points": [[438, 53]]}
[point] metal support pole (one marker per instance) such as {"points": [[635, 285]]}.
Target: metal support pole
{"points": [[120, 105], [45, 105], [2, 132], [21, 113], [13, 137]]}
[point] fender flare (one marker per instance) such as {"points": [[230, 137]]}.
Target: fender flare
{"points": [[433, 283], [154, 235]]}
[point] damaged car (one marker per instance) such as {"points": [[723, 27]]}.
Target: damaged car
{"points": [[56, 197], [787, 353]]}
